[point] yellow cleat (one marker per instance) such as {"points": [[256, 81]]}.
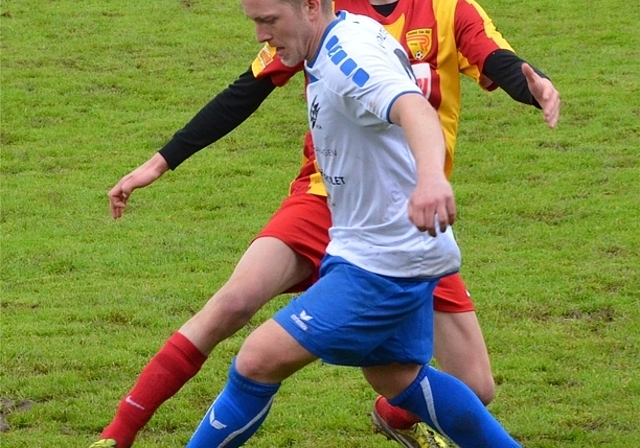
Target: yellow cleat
{"points": [[419, 435]]}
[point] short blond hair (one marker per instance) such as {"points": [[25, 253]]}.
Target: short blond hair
{"points": [[325, 5]]}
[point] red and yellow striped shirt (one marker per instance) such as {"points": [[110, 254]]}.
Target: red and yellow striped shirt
{"points": [[443, 39]]}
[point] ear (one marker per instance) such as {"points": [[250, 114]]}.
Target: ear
{"points": [[313, 7]]}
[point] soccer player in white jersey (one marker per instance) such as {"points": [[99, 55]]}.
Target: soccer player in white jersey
{"points": [[381, 152]]}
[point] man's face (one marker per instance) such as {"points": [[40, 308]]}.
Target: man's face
{"points": [[282, 25]]}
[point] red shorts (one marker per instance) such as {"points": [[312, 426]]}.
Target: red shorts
{"points": [[451, 295], [302, 223]]}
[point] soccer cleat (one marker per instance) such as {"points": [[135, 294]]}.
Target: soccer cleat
{"points": [[104, 443], [419, 435]]}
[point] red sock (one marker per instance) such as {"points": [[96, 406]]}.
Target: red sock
{"points": [[175, 364], [394, 416]]}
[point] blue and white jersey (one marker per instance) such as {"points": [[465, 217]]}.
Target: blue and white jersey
{"points": [[367, 166]]}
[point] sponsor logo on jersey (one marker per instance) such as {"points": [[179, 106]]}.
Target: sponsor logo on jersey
{"points": [[333, 180], [419, 42], [327, 152]]}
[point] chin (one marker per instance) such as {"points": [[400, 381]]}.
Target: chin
{"points": [[290, 61]]}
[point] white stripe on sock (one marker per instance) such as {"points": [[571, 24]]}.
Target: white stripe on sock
{"points": [[428, 398], [234, 434]]}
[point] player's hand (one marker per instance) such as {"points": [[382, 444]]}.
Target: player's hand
{"points": [[432, 206], [545, 94], [138, 178], [119, 195]]}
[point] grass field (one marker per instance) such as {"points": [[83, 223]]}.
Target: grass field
{"points": [[549, 222]]}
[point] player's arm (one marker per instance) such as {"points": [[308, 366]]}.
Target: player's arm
{"points": [[221, 115], [229, 108], [433, 195], [486, 55], [523, 83]]}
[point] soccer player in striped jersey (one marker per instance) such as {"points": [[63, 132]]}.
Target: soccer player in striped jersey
{"points": [[443, 38]]}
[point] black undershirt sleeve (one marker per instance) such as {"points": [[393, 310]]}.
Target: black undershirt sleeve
{"points": [[221, 115], [239, 100], [503, 67]]}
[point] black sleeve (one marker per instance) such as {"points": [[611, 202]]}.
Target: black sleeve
{"points": [[221, 115], [503, 67]]}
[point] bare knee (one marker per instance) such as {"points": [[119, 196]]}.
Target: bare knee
{"points": [[476, 374], [390, 380], [270, 354], [225, 313], [235, 306], [460, 350], [482, 385]]}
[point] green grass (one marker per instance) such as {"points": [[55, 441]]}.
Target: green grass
{"points": [[549, 222]]}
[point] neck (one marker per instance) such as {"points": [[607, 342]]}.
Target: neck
{"points": [[316, 40], [382, 2]]}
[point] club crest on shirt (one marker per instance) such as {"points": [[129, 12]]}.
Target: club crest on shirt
{"points": [[419, 42]]}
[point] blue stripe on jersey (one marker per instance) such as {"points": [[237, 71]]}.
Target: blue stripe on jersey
{"points": [[360, 77], [339, 56], [340, 16], [348, 66], [332, 43]]}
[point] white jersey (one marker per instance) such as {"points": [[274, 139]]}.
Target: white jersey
{"points": [[367, 166]]}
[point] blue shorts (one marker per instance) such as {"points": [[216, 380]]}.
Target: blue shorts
{"points": [[352, 317]]}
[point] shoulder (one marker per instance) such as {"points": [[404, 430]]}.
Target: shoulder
{"points": [[358, 51], [359, 37], [351, 29]]}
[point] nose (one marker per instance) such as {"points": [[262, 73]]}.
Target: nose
{"points": [[261, 34]]}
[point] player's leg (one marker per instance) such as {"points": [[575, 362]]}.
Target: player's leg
{"points": [[447, 404], [371, 309], [459, 345], [268, 356], [268, 268], [436, 398], [460, 350], [285, 256]]}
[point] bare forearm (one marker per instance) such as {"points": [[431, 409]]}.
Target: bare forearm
{"points": [[431, 206], [423, 131]]}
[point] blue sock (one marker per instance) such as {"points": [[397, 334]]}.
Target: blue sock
{"points": [[236, 414], [450, 407]]}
